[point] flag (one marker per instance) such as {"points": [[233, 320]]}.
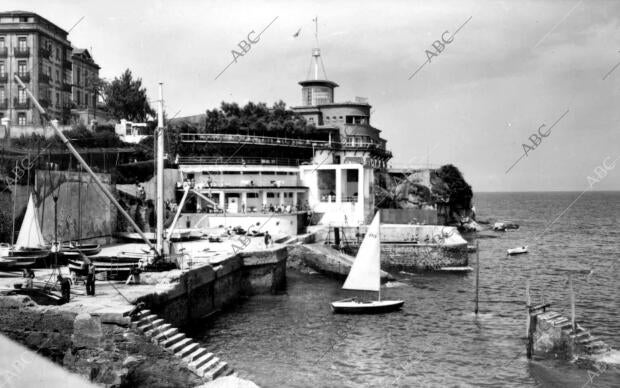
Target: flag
{"points": [[295, 35]]}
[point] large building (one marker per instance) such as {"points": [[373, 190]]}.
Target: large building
{"points": [[332, 171], [39, 52]]}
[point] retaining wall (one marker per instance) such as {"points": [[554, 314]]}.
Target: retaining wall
{"points": [[207, 289]]}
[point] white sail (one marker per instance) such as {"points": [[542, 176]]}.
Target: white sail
{"points": [[30, 235], [365, 273]]}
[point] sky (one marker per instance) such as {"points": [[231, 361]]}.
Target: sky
{"points": [[513, 67]]}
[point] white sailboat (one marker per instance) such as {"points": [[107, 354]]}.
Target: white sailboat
{"points": [[30, 246], [365, 275]]}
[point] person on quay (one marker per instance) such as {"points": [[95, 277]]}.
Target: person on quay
{"points": [[90, 279], [65, 288]]}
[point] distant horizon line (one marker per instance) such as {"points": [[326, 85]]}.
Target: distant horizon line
{"points": [[547, 191]]}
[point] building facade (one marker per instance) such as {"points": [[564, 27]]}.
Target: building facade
{"points": [[85, 73], [39, 52]]}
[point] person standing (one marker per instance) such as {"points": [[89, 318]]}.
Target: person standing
{"points": [[90, 280], [267, 239], [65, 288]]}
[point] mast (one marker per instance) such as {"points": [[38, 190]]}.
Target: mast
{"points": [[379, 234], [160, 172], [77, 155], [14, 200]]}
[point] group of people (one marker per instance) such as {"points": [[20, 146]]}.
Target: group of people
{"points": [[88, 269]]}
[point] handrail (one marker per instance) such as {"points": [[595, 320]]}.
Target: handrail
{"points": [[240, 161], [248, 139]]}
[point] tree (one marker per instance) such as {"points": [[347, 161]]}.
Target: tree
{"points": [[125, 98]]}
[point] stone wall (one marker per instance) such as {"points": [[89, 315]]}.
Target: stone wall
{"points": [[422, 257], [207, 289], [98, 215]]}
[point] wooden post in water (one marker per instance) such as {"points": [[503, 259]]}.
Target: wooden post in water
{"points": [[572, 301], [528, 304], [477, 275]]}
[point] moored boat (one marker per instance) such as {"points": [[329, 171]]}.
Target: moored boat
{"points": [[517, 251]]}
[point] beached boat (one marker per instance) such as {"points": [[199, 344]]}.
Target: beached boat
{"points": [[517, 251], [30, 247], [86, 249], [365, 275], [176, 235]]}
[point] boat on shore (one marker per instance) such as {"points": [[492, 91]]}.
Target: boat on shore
{"points": [[30, 248], [365, 275]]}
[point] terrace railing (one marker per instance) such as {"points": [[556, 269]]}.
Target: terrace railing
{"points": [[240, 161]]}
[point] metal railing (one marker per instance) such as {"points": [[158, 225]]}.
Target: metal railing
{"points": [[44, 52], [25, 104], [24, 76], [44, 78], [21, 52], [240, 161], [246, 139]]}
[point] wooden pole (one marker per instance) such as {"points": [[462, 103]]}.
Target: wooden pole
{"points": [[528, 304], [477, 275], [572, 301]]}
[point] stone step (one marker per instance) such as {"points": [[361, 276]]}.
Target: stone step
{"points": [[195, 355], [596, 345], [172, 340], [216, 371], [141, 314], [559, 321], [586, 340], [197, 363], [147, 319], [202, 371], [151, 325], [165, 335], [179, 345], [186, 351], [549, 315], [156, 330], [600, 350]]}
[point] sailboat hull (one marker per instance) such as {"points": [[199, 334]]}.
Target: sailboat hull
{"points": [[351, 306]]}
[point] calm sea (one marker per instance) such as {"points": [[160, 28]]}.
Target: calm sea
{"points": [[293, 340]]}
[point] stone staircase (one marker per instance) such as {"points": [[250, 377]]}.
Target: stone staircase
{"points": [[581, 337], [198, 359]]}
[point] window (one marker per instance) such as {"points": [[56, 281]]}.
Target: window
{"points": [[21, 96], [21, 119], [21, 44], [2, 68], [79, 97], [57, 76], [57, 99], [2, 42], [21, 68], [57, 54], [78, 76], [2, 94]]}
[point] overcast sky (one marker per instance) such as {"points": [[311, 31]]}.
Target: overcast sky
{"points": [[515, 66]]}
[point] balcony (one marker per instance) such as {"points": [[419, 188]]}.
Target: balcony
{"points": [[45, 52], [4, 78], [21, 105], [21, 52], [24, 76], [4, 52], [4, 104], [44, 78], [45, 103]]}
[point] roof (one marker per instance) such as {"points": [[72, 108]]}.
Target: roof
{"points": [[319, 82], [29, 13]]}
